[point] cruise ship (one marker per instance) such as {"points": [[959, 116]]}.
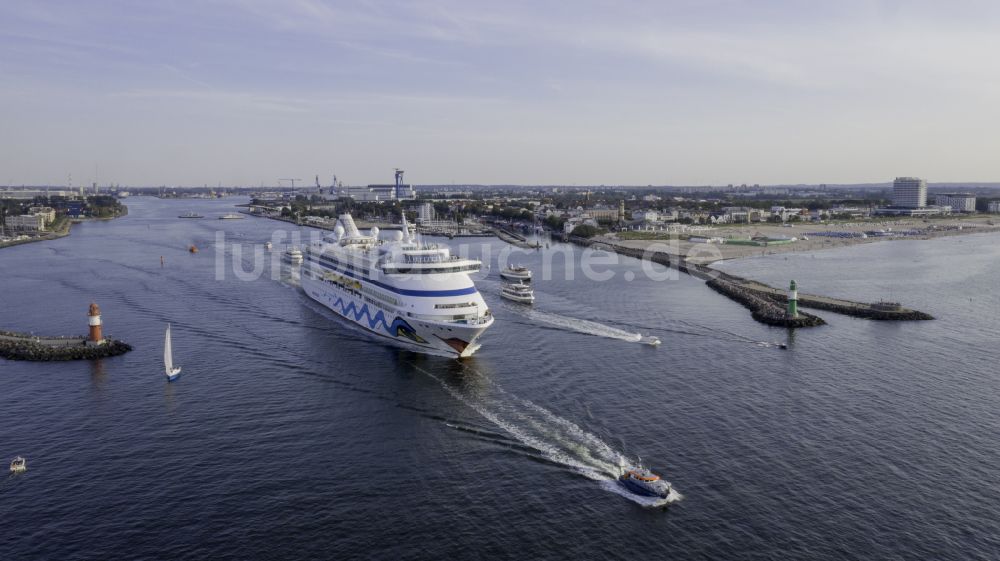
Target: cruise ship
{"points": [[415, 294]]}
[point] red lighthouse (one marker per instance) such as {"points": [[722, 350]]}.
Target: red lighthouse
{"points": [[96, 336]]}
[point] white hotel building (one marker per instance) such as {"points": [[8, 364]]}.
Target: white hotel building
{"points": [[959, 202], [909, 192]]}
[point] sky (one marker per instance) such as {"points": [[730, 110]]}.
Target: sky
{"points": [[589, 92]]}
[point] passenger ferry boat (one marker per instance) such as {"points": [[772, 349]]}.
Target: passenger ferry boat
{"points": [[516, 273], [294, 255], [415, 294], [518, 292]]}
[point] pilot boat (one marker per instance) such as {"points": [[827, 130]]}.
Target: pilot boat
{"points": [[641, 481]]}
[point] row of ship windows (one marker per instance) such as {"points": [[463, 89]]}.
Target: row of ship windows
{"points": [[337, 263], [386, 299], [403, 270], [380, 295], [407, 270], [460, 305], [422, 258]]}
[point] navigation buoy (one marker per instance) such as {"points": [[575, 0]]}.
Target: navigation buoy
{"points": [[793, 300], [96, 333]]}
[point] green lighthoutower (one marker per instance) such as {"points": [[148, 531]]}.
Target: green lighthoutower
{"points": [[793, 301]]}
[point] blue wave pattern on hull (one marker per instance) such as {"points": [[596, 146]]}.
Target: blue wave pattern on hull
{"points": [[398, 328]]}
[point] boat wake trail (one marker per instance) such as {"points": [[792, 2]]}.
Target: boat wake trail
{"points": [[584, 326], [543, 435], [681, 327]]}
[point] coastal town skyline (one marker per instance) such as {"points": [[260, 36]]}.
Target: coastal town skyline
{"points": [[674, 93]]}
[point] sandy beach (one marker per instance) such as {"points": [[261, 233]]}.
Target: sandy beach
{"points": [[809, 236]]}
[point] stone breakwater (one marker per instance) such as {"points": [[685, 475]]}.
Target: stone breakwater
{"points": [[762, 308], [766, 303], [22, 346]]}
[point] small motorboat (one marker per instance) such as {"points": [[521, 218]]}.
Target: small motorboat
{"points": [[267, 246], [231, 216], [517, 292], [641, 481], [516, 273], [193, 249], [190, 215], [18, 465]]}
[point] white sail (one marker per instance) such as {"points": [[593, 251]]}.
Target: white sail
{"points": [[168, 353]]}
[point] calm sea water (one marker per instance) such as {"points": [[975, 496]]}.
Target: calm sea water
{"points": [[291, 435]]}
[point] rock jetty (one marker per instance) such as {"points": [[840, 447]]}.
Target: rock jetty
{"points": [[22, 346]]}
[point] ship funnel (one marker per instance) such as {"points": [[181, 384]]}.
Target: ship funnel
{"points": [[350, 229], [406, 229]]}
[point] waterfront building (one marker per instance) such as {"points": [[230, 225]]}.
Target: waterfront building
{"points": [[370, 193], [398, 191], [425, 213], [28, 194], [575, 221], [933, 210], [46, 212], [959, 202], [909, 192], [646, 215], [607, 214], [26, 223], [785, 213], [993, 207], [853, 211]]}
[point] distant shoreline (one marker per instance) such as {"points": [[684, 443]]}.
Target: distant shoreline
{"points": [[64, 230], [707, 253]]}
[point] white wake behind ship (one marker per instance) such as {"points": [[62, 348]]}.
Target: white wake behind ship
{"points": [[416, 294]]}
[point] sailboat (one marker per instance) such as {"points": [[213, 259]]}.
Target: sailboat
{"points": [[168, 358]]}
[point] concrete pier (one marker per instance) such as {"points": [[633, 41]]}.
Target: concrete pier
{"points": [[515, 239]]}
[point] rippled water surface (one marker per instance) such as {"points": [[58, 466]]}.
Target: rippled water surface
{"points": [[291, 435]]}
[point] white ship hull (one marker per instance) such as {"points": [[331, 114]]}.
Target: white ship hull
{"points": [[448, 339]]}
